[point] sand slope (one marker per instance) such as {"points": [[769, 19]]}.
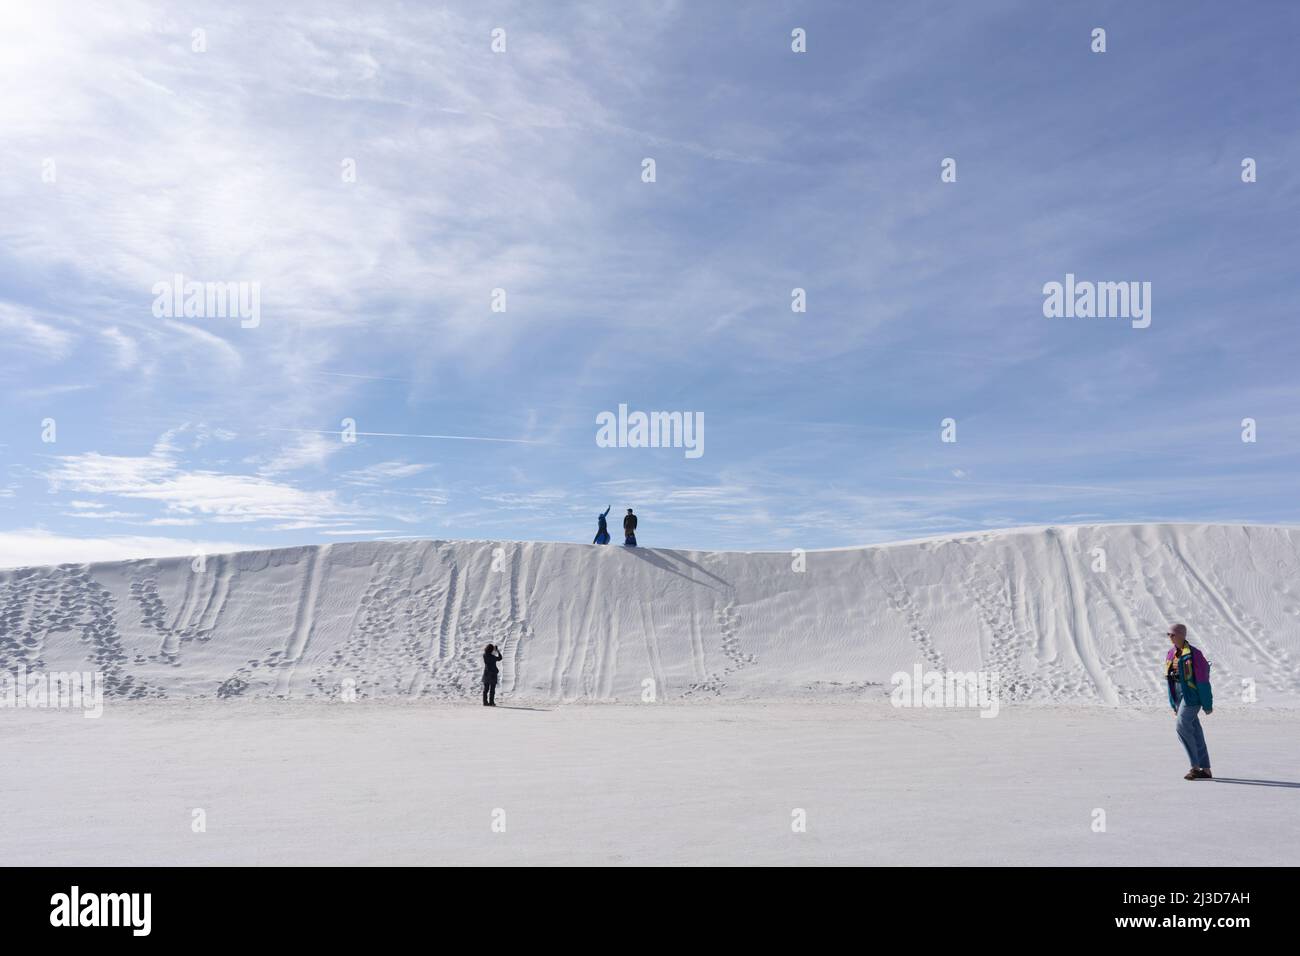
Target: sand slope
{"points": [[579, 622]]}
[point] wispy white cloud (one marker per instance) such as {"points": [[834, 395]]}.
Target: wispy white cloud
{"points": [[161, 478], [385, 472], [361, 434], [23, 330], [362, 532], [30, 547], [125, 349], [307, 451]]}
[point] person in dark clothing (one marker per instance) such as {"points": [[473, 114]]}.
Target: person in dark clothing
{"points": [[629, 529], [602, 530], [490, 657]]}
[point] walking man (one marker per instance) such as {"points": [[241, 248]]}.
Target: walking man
{"points": [[1188, 674]]}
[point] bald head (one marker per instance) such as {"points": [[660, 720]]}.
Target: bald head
{"points": [[1178, 635]]}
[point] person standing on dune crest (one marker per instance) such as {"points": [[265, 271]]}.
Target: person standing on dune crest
{"points": [[629, 529], [490, 657], [1188, 674], [602, 529]]}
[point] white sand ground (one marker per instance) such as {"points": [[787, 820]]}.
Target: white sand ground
{"points": [[293, 782]]}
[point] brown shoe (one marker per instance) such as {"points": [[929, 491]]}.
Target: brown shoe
{"points": [[1203, 773], [1191, 774]]}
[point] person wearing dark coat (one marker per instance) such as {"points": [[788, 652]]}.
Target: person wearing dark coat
{"points": [[602, 530], [490, 657], [629, 529]]}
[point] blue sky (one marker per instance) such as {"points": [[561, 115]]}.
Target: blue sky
{"points": [[521, 170]]}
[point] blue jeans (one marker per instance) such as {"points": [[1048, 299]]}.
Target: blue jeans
{"points": [[1190, 733]]}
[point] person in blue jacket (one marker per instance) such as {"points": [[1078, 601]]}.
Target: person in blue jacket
{"points": [[602, 532], [1188, 675]]}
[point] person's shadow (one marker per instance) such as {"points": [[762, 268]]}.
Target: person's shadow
{"points": [[540, 710], [649, 556], [1258, 783]]}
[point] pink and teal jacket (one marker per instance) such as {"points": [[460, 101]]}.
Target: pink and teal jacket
{"points": [[1192, 671]]}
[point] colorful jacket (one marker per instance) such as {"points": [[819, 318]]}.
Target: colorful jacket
{"points": [[1192, 671]]}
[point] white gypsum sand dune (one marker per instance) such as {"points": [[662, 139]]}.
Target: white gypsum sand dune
{"points": [[410, 619]]}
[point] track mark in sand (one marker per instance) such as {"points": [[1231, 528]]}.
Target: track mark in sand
{"points": [[153, 613], [1129, 638], [106, 643], [1080, 631], [652, 650], [195, 593], [519, 630], [899, 599], [728, 620], [29, 615], [525, 587], [354, 659], [450, 614], [698, 665], [395, 639], [572, 650], [1136, 623], [36, 604], [18, 644], [422, 640], [1284, 574], [518, 636], [177, 629], [608, 665], [995, 608], [588, 676], [558, 663], [223, 569], [1218, 600], [1251, 624], [305, 619], [516, 585]]}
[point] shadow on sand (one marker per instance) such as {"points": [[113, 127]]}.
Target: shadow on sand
{"points": [[1258, 783], [698, 567], [662, 562], [540, 710]]}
